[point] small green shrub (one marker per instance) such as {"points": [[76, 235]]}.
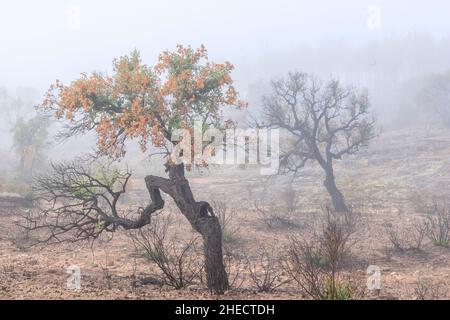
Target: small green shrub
{"points": [[342, 291], [441, 243], [228, 237]]}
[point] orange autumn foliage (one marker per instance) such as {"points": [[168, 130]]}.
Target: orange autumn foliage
{"points": [[140, 101]]}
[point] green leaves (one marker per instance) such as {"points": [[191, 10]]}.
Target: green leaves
{"points": [[29, 141], [85, 186], [108, 178], [30, 133]]}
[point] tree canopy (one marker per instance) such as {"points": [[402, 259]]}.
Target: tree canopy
{"points": [[322, 122], [145, 102]]}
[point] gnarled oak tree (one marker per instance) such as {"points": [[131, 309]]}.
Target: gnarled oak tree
{"points": [[148, 103], [322, 122]]}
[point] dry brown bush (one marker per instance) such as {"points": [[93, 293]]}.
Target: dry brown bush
{"points": [[177, 260], [266, 273], [425, 289], [436, 209], [290, 199], [316, 264], [407, 238], [235, 267], [227, 217], [438, 223]]}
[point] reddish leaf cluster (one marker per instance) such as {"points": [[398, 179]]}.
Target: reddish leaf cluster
{"points": [[139, 101]]}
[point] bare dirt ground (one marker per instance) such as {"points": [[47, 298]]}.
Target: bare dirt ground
{"points": [[384, 182]]}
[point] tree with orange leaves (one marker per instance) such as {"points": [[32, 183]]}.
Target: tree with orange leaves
{"points": [[148, 103]]}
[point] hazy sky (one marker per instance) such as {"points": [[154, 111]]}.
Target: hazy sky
{"points": [[44, 40]]}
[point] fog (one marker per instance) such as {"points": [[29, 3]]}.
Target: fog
{"points": [[44, 40], [378, 45], [316, 167]]}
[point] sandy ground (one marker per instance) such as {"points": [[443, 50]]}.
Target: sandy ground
{"points": [[382, 181]]}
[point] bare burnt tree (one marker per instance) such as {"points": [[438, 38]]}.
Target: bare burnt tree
{"points": [[321, 122]]}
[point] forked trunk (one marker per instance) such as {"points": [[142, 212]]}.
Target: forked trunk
{"points": [[202, 219]]}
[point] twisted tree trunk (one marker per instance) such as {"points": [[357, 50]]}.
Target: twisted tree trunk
{"points": [[201, 217]]}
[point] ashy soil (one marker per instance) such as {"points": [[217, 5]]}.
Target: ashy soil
{"points": [[386, 183]]}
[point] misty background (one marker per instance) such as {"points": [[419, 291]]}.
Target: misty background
{"points": [[389, 47]]}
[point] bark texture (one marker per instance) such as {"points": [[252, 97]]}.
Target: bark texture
{"points": [[201, 217]]}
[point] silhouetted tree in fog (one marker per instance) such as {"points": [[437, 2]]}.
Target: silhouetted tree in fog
{"points": [[29, 141], [322, 122], [434, 97]]}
